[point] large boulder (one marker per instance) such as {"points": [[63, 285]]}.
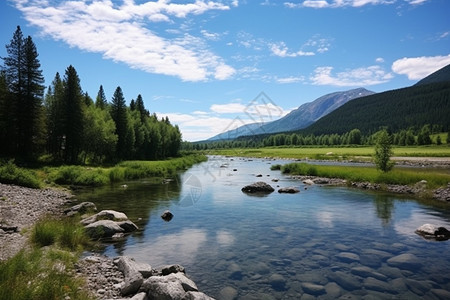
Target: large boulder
{"points": [[258, 187], [430, 231], [105, 215], [103, 229], [172, 286], [81, 208]]}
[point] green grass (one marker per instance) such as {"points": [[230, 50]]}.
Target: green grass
{"points": [[66, 233], [11, 174], [128, 170], [333, 153], [369, 174], [45, 272]]}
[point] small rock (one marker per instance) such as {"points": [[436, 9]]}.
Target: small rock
{"points": [[348, 257], [313, 289], [289, 190], [172, 269], [278, 282], [167, 216], [404, 261], [228, 293]]}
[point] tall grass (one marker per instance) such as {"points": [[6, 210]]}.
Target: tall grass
{"points": [[40, 274], [66, 234], [368, 174], [45, 272], [10, 173]]}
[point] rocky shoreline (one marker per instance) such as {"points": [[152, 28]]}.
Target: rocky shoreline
{"points": [[418, 190]]}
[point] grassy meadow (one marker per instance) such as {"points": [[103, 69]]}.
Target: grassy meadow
{"points": [[333, 153]]}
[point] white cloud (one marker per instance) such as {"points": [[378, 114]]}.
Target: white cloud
{"points": [[419, 67], [356, 77], [290, 79], [379, 60], [229, 108], [344, 3], [201, 125], [120, 34], [281, 50]]}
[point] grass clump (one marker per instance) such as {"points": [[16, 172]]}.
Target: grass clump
{"points": [[11, 174], [66, 234]]}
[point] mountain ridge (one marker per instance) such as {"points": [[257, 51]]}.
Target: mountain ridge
{"points": [[298, 118]]}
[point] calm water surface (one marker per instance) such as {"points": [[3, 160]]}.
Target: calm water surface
{"points": [[324, 242]]}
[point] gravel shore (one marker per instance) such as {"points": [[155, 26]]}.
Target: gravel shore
{"points": [[20, 208]]}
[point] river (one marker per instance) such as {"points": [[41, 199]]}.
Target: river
{"points": [[324, 242]]}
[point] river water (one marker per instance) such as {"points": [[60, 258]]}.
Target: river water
{"points": [[324, 242]]}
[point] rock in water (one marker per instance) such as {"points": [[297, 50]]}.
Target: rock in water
{"points": [[289, 190], [167, 216], [258, 187], [430, 231]]}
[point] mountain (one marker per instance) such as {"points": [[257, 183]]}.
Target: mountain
{"points": [[248, 129], [399, 109], [299, 118], [310, 112], [440, 75]]}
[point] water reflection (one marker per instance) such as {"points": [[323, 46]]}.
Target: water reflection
{"points": [[384, 208], [324, 242]]}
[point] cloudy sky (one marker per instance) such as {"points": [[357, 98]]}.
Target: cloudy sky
{"points": [[211, 65]]}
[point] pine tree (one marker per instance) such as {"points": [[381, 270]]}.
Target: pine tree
{"points": [[120, 117], [54, 103], [100, 100], [25, 84], [74, 113]]}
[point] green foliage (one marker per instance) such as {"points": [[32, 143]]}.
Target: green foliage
{"points": [[78, 175], [299, 168], [10, 173], [383, 151]]}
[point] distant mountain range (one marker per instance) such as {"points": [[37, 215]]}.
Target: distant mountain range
{"points": [[299, 118]]}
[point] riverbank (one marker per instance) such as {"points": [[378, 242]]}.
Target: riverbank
{"points": [[20, 209], [26, 254]]}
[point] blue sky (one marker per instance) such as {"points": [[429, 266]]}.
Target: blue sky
{"points": [[205, 63]]}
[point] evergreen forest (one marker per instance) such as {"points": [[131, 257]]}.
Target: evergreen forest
{"points": [[63, 124]]}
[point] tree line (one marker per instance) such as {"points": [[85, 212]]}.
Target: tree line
{"points": [[410, 137], [64, 124]]}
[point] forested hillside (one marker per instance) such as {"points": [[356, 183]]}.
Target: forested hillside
{"points": [[396, 110], [66, 125]]}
